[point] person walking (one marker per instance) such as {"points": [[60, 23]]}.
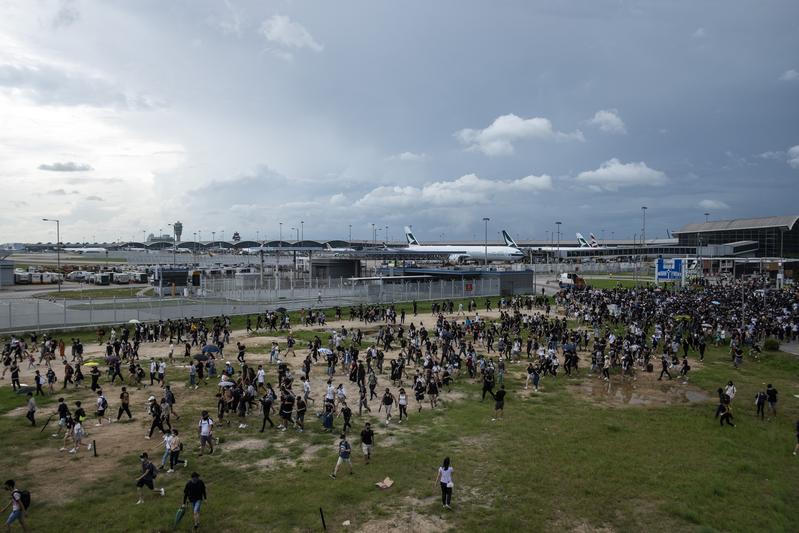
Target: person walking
{"points": [[175, 447], [206, 432], [499, 403], [367, 441], [344, 451], [18, 510], [444, 480], [664, 363], [147, 477], [760, 403], [124, 404], [771, 396], [194, 493], [30, 415]]}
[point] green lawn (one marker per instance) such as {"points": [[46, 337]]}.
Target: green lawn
{"points": [[115, 292], [557, 461]]}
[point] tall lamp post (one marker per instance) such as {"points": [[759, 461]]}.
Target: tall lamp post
{"points": [[706, 215], [643, 231], [485, 242], [350, 244], [557, 224], [57, 246]]}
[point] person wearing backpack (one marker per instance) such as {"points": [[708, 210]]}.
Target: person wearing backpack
{"points": [[20, 502], [147, 477], [102, 405]]}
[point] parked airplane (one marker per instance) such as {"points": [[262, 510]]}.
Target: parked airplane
{"points": [[462, 253], [86, 250], [583, 244]]}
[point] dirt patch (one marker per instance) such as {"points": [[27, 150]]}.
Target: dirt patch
{"points": [[645, 390], [407, 521], [244, 444]]}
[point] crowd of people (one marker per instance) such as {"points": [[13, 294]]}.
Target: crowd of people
{"points": [[404, 366]]}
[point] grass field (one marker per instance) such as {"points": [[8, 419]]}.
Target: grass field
{"points": [[562, 459], [116, 292]]}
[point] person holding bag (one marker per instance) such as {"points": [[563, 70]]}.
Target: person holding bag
{"points": [[444, 479]]}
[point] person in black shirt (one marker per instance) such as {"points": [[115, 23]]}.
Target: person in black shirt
{"points": [[346, 413], [156, 413], [771, 395], [301, 409], [499, 403], [367, 441], [266, 405], [488, 384], [148, 476], [760, 403], [194, 493]]}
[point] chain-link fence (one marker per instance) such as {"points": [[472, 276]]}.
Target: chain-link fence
{"points": [[224, 296]]}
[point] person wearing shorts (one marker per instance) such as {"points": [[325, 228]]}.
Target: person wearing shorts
{"points": [[367, 441], [147, 478], [194, 493], [344, 451], [386, 403], [17, 507], [206, 431]]}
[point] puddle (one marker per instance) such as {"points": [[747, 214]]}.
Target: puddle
{"points": [[641, 393]]}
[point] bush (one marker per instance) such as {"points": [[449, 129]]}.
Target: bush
{"points": [[771, 345]]}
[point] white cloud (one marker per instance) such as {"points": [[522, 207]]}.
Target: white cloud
{"points": [[498, 138], [94, 198], [700, 33], [790, 75], [338, 199], [772, 154], [613, 175], [67, 166], [793, 156], [713, 204], [408, 156], [282, 31], [609, 121], [464, 191]]}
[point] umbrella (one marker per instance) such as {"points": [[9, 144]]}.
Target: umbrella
{"points": [[201, 357], [281, 310], [226, 383], [179, 516], [210, 348], [715, 302], [133, 321], [325, 351], [91, 363]]}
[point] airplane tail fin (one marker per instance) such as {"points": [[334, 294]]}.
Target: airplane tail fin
{"points": [[409, 236], [581, 241], [593, 242], [508, 240], [328, 247]]}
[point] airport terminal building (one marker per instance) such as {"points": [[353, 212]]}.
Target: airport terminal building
{"points": [[762, 237]]}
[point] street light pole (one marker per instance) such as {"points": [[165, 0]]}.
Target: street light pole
{"points": [[485, 243], [57, 247], [706, 215], [350, 242], [302, 231], [557, 224]]}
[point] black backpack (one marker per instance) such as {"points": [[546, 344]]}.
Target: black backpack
{"points": [[24, 498]]}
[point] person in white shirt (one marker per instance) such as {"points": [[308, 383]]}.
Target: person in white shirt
{"points": [[260, 377], [206, 430], [444, 479]]}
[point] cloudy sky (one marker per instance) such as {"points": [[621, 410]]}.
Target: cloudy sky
{"points": [[119, 117]]}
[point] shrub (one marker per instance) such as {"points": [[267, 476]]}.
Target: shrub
{"points": [[771, 345]]}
